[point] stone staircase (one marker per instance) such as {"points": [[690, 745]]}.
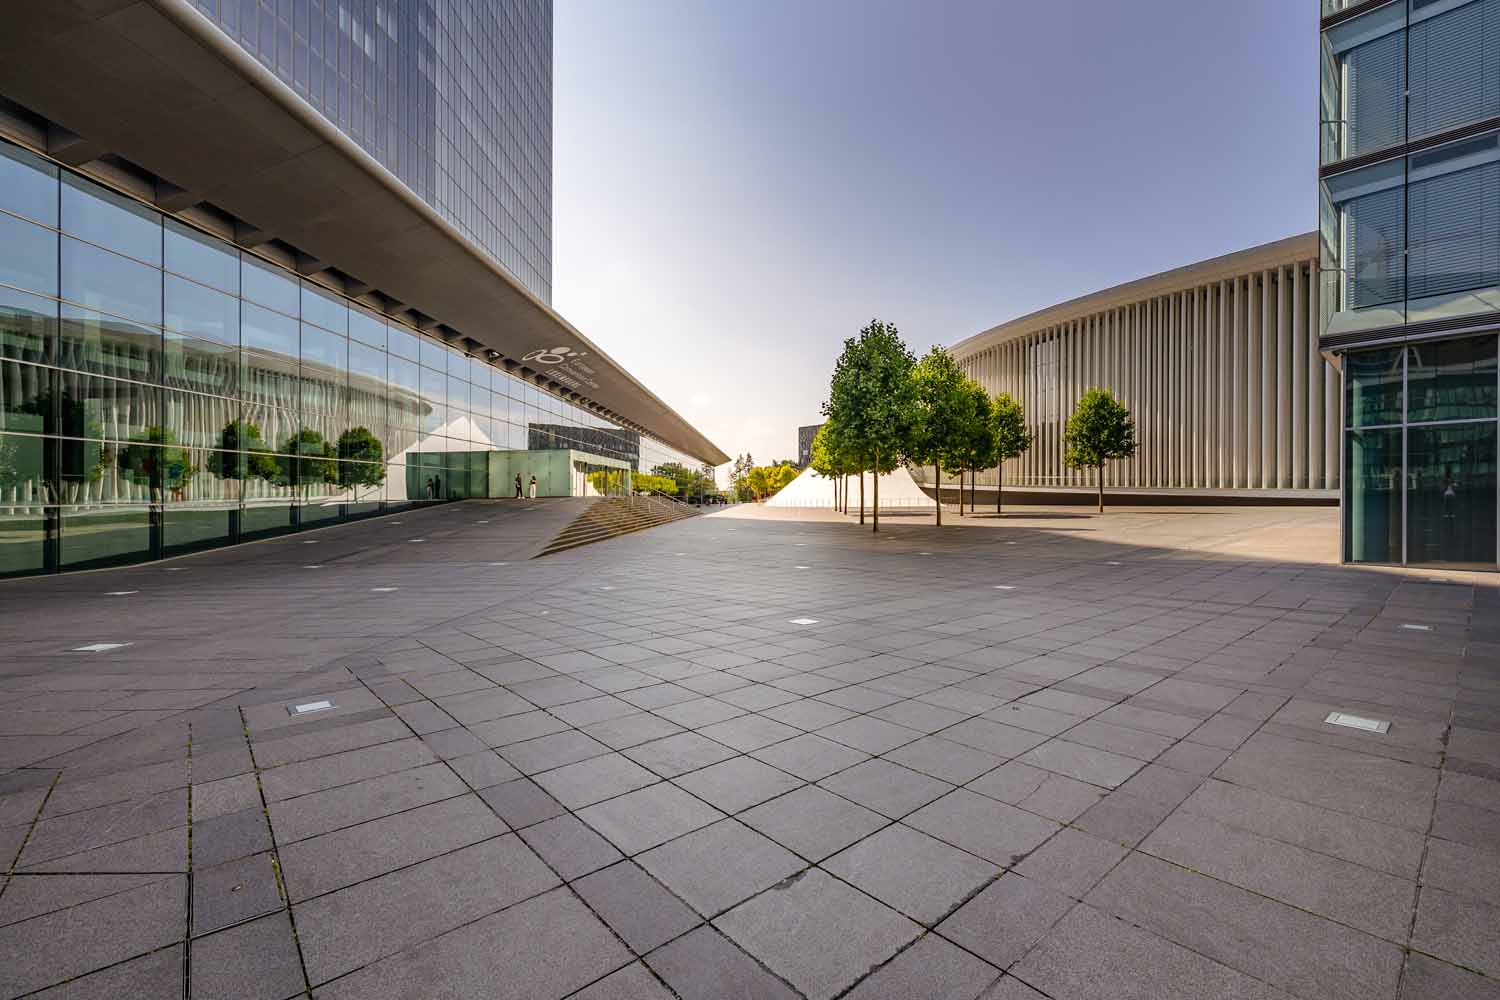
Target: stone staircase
{"points": [[609, 517]]}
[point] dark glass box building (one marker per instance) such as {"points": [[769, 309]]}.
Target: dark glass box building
{"points": [[1409, 231], [222, 317]]}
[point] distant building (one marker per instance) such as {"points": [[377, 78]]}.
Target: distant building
{"points": [[805, 437]]}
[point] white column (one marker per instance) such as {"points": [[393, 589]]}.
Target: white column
{"points": [[1238, 453], [1285, 379], [1268, 380], [1299, 363], [1317, 475], [1224, 368], [1253, 362]]}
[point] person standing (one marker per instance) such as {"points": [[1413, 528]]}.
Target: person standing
{"points": [[533, 487], [518, 486]]}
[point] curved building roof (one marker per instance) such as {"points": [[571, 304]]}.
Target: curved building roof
{"points": [[1268, 256]]}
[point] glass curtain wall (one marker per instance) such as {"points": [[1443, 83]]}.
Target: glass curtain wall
{"points": [[1421, 454], [1412, 238], [162, 391]]}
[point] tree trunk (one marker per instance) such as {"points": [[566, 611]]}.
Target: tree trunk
{"points": [[1000, 487], [973, 487], [937, 477], [1099, 478], [875, 510], [861, 497]]}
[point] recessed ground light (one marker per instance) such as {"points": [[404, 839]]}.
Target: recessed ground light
{"points": [[1357, 722], [801, 567], [395, 522], [606, 588], [310, 541], [799, 543], [314, 566], [924, 553], [500, 564], [383, 590], [416, 539], [98, 647], [307, 708], [802, 621], [679, 553], [174, 569], [1113, 563], [1004, 586], [544, 612], [120, 593], [1010, 543], [1417, 628], [481, 522]]}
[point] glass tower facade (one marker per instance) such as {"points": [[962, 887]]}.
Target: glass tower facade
{"points": [[1409, 226], [162, 390], [454, 97]]}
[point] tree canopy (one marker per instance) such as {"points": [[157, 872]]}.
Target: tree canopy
{"points": [[1099, 430], [1012, 438], [874, 400]]}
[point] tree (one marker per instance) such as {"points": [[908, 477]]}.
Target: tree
{"points": [[827, 459], [360, 460], [1099, 430], [874, 401], [781, 477], [1012, 438], [156, 452], [242, 436], [758, 482], [315, 463], [937, 431], [976, 449]]}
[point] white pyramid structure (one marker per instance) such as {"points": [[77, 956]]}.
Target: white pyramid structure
{"points": [[897, 491]]}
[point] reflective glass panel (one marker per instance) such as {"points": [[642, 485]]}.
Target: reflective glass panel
{"points": [[27, 398], [110, 409], [366, 328], [263, 283], [1450, 495], [324, 309], [28, 325], [1373, 383], [28, 185], [200, 365], [1452, 379], [1372, 496], [104, 536], [28, 255], [110, 283], [201, 257], [201, 311], [434, 355], [269, 331], [100, 216], [403, 343], [93, 342]]}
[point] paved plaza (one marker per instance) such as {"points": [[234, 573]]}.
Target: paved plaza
{"points": [[1049, 755]]}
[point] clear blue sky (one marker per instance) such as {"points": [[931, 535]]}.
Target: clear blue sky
{"points": [[740, 186]]}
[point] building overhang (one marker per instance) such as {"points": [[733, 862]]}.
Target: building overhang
{"points": [[156, 85]]}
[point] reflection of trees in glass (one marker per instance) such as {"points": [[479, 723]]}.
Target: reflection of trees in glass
{"points": [[360, 453], [643, 482], [154, 451], [241, 435], [315, 465], [609, 482]]}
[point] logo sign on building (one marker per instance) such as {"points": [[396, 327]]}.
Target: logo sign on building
{"points": [[563, 365]]}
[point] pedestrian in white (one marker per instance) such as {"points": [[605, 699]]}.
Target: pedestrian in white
{"points": [[533, 487]]}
